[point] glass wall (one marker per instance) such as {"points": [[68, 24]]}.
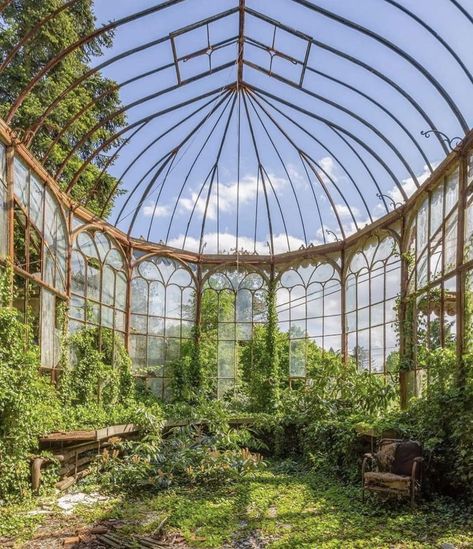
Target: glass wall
{"points": [[41, 245], [431, 285], [3, 204], [309, 309], [162, 318], [342, 300], [234, 302], [372, 284], [98, 283]]}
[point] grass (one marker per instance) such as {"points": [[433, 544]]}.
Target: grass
{"points": [[285, 507]]}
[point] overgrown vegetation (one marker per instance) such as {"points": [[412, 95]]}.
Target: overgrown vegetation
{"points": [[98, 390], [78, 111]]}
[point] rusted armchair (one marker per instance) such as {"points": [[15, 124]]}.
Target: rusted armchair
{"points": [[396, 468]]}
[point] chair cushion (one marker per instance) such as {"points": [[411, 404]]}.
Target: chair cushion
{"points": [[387, 480]]}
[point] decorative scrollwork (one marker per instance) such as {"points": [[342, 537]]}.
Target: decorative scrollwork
{"points": [[393, 203], [453, 143], [328, 231]]}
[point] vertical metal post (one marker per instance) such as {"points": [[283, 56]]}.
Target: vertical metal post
{"points": [[343, 306], [403, 248], [461, 275], [9, 175]]}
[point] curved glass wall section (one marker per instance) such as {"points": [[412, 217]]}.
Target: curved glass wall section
{"points": [[162, 310], [234, 303], [345, 297], [98, 283], [432, 274], [309, 309], [373, 282], [40, 242]]}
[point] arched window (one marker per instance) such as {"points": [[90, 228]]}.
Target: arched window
{"points": [[309, 309], [372, 285], [233, 303], [40, 244], [98, 283], [162, 318]]}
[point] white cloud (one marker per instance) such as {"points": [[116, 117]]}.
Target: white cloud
{"points": [[409, 185], [156, 211], [228, 194], [227, 243]]}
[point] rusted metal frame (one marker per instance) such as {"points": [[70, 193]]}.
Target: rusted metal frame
{"points": [[329, 151], [10, 198], [153, 180], [397, 50], [153, 142], [143, 120], [214, 170], [305, 63], [176, 62], [327, 193], [359, 63], [135, 188], [374, 102], [381, 107], [39, 121], [329, 177], [39, 282], [435, 34], [107, 164], [93, 103], [343, 308], [78, 44], [436, 233], [265, 192], [350, 113], [145, 149], [443, 250], [197, 157], [241, 39], [34, 30], [463, 10], [283, 166], [210, 47], [127, 107], [333, 125], [129, 279], [461, 274], [273, 52]]}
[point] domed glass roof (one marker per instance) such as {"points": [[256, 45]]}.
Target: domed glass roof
{"points": [[265, 126]]}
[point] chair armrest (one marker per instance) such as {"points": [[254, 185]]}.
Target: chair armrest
{"points": [[418, 459], [368, 456]]}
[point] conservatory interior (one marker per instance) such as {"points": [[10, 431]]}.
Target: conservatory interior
{"points": [[236, 273]]}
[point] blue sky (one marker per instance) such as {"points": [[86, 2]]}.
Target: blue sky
{"points": [[233, 207]]}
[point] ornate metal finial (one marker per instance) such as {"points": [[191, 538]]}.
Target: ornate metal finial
{"points": [[453, 144], [328, 231], [394, 204]]}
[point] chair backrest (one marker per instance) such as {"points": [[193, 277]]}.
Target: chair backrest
{"points": [[397, 456], [406, 452]]}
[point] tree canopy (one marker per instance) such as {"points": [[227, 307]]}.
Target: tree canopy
{"points": [[79, 110]]}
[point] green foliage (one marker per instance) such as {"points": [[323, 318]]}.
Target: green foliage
{"points": [[442, 420], [209, 451], [99, 370], [98, 391], [64, 29], [28, 403]]}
